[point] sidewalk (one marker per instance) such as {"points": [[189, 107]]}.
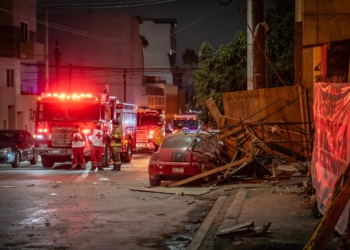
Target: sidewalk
{"points": [[292, 223]]}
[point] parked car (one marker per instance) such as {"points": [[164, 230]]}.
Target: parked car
{"points": [[182, 155], [17, 146]]}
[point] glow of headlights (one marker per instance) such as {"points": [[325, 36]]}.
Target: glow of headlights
{"points": [[39, 136], [5, 150]]}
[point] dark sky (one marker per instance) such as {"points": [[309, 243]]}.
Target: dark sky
{"points": [[198, 20]]}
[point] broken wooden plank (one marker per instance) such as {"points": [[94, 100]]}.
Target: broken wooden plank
{"points": [[214, 111], [333, 211], [291, 182], [274, 152], [245, 225], [213, 171]]}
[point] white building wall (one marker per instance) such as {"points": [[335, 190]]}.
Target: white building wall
{"points": [[15, 108]]}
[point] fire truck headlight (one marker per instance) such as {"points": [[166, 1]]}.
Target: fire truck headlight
{"points": [[40, 136], [151, 132], [151, 136]]}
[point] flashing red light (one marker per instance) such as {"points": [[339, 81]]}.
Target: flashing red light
{"points": [[43, 130]]}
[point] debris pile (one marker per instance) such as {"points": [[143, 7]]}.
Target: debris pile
{"points": [[256, 149]]}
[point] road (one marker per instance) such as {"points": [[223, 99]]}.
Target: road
{"points": [[59, 208]]}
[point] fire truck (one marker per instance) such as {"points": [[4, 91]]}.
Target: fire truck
{"points": [[190, 122], [55, 116], [147, 122]]}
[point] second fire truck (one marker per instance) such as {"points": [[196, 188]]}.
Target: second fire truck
{"points": [[147, 122], [55, 116]]}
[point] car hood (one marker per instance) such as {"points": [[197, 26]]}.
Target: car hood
{"points": [[8, 144]]}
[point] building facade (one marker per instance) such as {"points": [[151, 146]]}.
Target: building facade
{"points": [[18, 46]]}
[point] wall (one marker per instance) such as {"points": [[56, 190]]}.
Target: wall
{"points": [[323, 21], [105, 45], [156, 54]]}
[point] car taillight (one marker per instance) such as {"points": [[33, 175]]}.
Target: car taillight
{"points": [[155, 157]]}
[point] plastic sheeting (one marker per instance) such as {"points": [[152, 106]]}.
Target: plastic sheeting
{"points": [[330, 155]]}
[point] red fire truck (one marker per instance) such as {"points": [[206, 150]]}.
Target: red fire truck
{"points": [[147, 121], [56, 115]]}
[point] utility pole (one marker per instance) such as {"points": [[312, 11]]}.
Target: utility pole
{"points": [[46, 48], [57, 61], [124, 83], [259, 70], [256, 36]]}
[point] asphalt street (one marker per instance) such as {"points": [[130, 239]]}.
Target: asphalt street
{"points": [[58, 208]]}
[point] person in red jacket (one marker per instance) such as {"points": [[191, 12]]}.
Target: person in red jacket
{"points": [[97, 144], [78, 139]]}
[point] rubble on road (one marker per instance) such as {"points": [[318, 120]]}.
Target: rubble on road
{"points": [[257, 150]]}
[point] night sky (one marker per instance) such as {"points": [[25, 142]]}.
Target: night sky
{"points": [[198, 20]]}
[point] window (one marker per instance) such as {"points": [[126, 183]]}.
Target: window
{"points": [[10, 78], [24, 32]]}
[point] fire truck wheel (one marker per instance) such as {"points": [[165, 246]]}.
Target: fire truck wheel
{"points": [[17, 160], [47, 162], [154, 182], [128, 154]]}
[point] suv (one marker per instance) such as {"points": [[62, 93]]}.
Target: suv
{"points": [[17, 146]]}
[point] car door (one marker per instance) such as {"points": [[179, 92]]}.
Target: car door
{"points": [[30, 145], [23, 145]]}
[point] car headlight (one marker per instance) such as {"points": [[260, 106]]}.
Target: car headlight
{"points": [[5, 150]]}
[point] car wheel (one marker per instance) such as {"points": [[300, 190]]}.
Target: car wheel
{"points": [[128, 155], [17, 160], [34, 160], [154, 182], [47, 162]]}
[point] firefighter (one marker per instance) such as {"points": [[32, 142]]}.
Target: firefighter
{"points": [[158, 136], [78, 139], [116, 145], [97, 143], [179, 128]]}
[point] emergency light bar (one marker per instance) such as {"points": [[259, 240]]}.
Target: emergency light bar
{"points": [[188, 117], [148, 111], [63, 96]]}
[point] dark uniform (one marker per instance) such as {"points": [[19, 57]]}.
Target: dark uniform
{"points": [[116, 145]]}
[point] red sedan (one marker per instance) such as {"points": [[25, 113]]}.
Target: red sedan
{"points": [[182, 155]]}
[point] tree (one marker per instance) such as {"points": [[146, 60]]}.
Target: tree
{"points": [[144, 41], [221, 71], [190, 57], [280, 42], [225, 70]]}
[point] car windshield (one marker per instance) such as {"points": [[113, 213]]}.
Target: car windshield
{"points": [[178, 141], [9, 136]]}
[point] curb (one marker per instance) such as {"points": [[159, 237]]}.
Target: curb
{"points": [[203, 229], [230, 219]]}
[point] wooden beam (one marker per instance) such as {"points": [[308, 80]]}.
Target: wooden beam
{"points": [[210, 172], [215, 112], [274, 152], [333, 211]]}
